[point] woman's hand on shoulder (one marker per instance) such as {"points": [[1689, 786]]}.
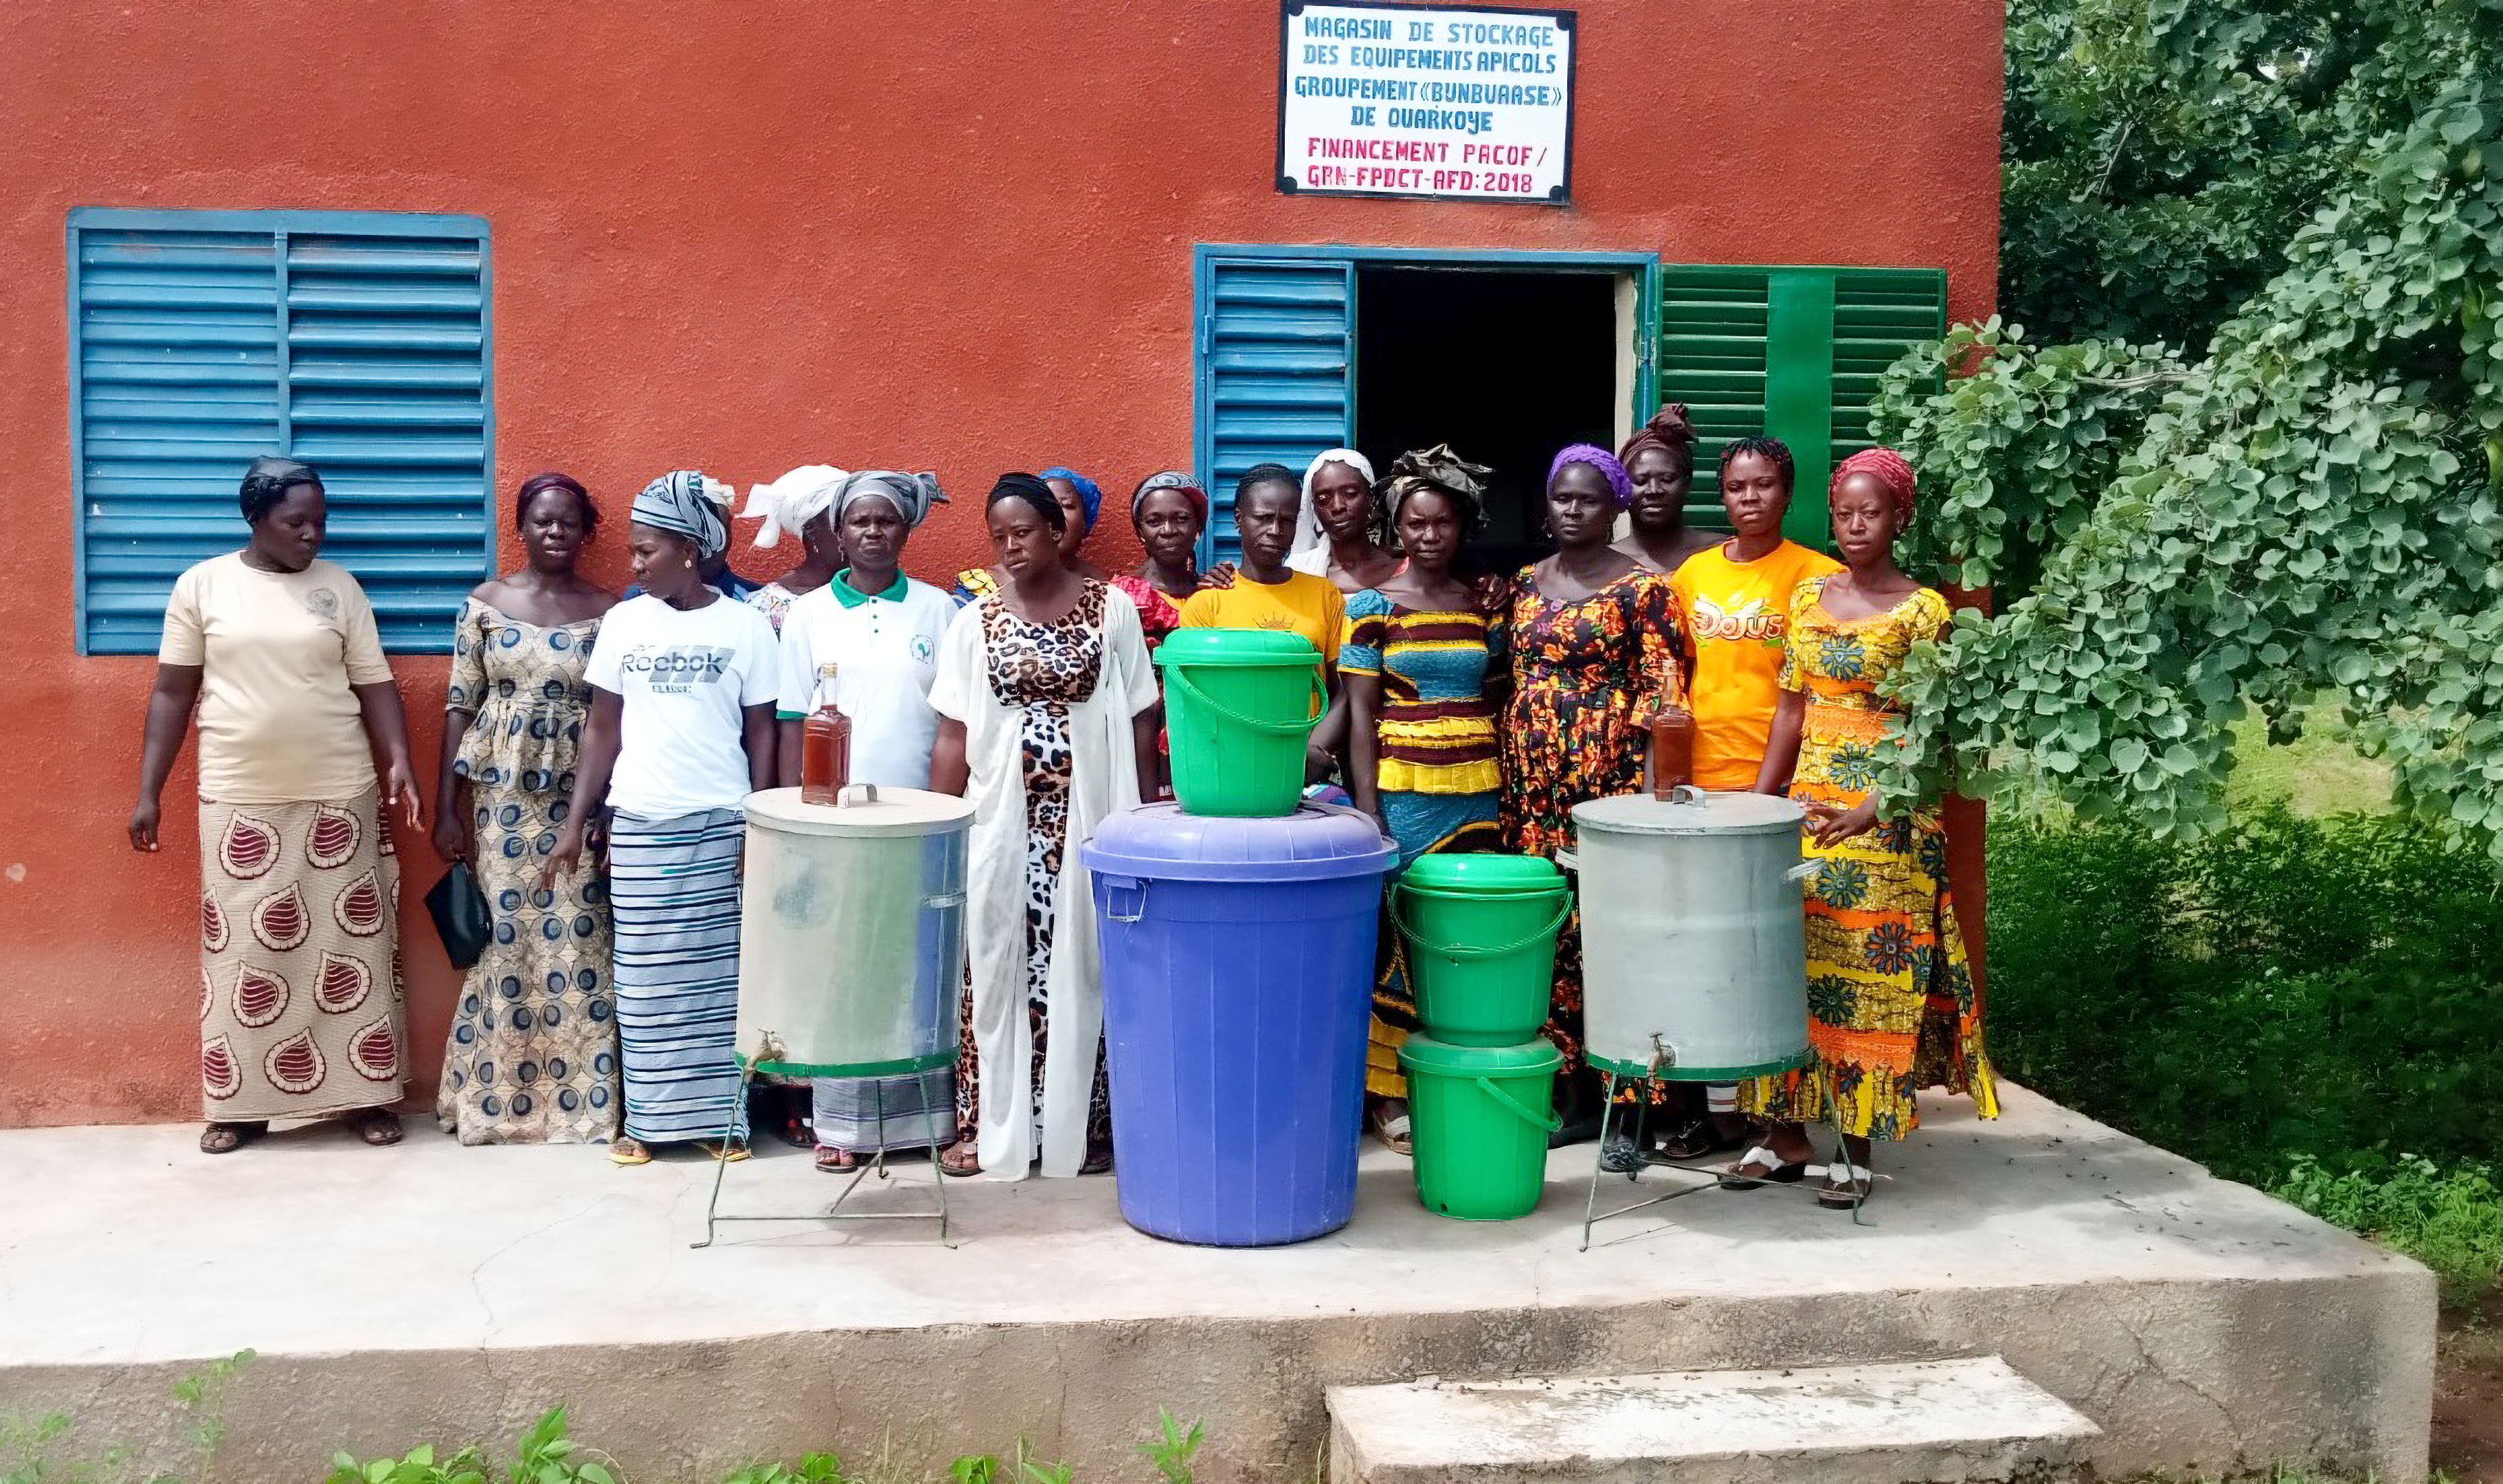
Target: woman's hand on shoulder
{"points": [[1220, 576], [1493, 592]]}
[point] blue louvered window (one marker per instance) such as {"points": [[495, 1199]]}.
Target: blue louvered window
{"points": [[356, 341], [1276, 352]]}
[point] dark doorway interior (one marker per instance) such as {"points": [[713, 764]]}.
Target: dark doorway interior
{"points": [[1506, 368]]}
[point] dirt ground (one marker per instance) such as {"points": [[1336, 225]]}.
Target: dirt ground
{"points": [[2468, 1398]]}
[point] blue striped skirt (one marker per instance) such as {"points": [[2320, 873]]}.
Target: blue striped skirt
{"points": [[673, 890]]}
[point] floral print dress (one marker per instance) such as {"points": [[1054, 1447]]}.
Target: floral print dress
{"points": [[1891, 1005], [532, 1053], [1585, 673]]}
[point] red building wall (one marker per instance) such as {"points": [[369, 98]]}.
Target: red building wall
{"points": [[744, 236]]}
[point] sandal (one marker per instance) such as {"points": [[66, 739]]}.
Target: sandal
{"points": [[226, 1138], [1698, 1140], [1621, 1153], [1394, 1129], [377, 1126], [1776, 1170], [1098, 1162], [1845, 1192], [730, 1152], [960, 1157], [836, 1161], [626, 1151]]}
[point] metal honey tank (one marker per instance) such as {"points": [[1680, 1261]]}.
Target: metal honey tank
{"points": [[852, 932], [1693, 942]]}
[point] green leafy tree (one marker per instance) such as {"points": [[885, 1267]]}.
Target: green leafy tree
{"points": [[2308, 504]]}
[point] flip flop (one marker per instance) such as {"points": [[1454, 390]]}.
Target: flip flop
{"points": [[629, 1152], [728, 1153], [836, 1161], [1777, 1171], [1397, 1133], [377, 1126], [970, 1167], [225, 1138]]}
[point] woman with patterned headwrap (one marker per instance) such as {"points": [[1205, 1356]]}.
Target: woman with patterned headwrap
{"points": [[1046, 705], [1422, 661], [799, 503], [1335, 535], [1598, 645], [1660, 463], [1892, 1006], [681, 731], [1080, 501], [1169, 512]]}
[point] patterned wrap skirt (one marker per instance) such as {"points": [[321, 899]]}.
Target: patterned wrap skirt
{"points": [[673, 893], [300, 1001]]}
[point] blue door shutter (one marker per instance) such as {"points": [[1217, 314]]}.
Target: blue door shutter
{"points": [[1277, 364], [357, 342]]}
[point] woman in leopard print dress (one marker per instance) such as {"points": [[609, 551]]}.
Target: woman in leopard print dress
{"points": [[1047, 707]]}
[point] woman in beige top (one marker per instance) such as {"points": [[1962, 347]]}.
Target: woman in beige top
{"points": [[300, 1011]]}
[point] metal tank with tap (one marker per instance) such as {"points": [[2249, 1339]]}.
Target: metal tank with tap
{"points": [[1694, 948]]}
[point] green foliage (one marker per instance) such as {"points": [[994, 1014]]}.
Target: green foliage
{"points": [[545, 1455], [30, 1448], [2308, 506], [2283, 987], [1172, 1448], [2449, 1220]]}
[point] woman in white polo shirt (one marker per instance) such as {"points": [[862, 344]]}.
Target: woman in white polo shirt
{"points": [[867, 641]]}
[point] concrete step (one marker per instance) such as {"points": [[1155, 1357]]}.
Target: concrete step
{"points": [[1931, 1422]]}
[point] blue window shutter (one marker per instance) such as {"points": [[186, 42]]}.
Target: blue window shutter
{"points": [[354, 341], [1277, 362]]}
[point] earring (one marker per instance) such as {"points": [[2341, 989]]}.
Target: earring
{"points": [[686, 561]]}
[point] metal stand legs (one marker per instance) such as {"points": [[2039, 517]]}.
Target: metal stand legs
{"points": [[833, 1212], [1592, 1213]]}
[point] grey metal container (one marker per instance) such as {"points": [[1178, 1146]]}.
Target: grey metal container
{"points": [[852, 949], [1694, 944]]}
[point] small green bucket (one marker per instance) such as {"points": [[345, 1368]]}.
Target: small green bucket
{"points": [[1481, 933], [1239, 705], [1479, 1121]]}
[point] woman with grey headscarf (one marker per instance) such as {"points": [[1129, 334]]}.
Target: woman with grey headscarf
{"points": [[681, 731], [868, 643]]}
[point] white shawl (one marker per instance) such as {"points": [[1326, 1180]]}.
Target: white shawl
{"points": [[1103, 780]]}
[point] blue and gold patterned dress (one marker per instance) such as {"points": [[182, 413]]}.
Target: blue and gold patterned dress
{"points": [[532, 1056]]}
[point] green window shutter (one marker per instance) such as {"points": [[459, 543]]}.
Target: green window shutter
{"points": [[1791, 351]]}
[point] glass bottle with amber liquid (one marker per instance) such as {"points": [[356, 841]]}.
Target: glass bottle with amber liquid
{"points": [[825, 751]]}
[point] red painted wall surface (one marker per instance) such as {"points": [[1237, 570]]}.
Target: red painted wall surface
{"points": [[950, 235]]}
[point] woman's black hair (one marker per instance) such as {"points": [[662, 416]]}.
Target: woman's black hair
{"points": [[267, 483], [1773, 449], [556, 479], [1034, 492], [1267, 473]]}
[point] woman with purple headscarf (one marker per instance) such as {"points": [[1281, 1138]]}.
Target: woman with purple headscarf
{"points": [[1596, 647]]}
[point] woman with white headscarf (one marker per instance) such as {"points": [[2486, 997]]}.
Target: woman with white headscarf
{"points": [[681, 731], [801, 502], [1334, 536], [867, 642]]}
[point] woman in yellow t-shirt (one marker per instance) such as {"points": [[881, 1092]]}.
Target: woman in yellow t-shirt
{"points": [[299, 891]]}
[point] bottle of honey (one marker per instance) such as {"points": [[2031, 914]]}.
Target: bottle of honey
{"points": [[1672, 749], [825, 755]]}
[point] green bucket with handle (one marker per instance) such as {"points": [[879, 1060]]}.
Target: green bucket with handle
{"points": [[1481, 933], [1479, 1121], [1240, 704]]}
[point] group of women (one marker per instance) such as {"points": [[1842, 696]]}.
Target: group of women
{"points": [[1470, 710]]}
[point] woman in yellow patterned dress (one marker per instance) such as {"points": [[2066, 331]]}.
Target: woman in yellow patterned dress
{"points": [[1892, 1006]]}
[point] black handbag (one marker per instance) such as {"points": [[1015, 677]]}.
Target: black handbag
{"points": [[460, 912]]}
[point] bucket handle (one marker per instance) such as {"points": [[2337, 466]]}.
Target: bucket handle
{"points": [[1547, 1120], [1178, 676], [1399, 919], [1123, 891]]}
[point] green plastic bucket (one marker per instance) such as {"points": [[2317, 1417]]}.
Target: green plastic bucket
{"points": [[1239, 705], [1481, 933], [1479, 1121]]}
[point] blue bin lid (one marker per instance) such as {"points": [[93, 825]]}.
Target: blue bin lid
{"points": [[1318, 842]]}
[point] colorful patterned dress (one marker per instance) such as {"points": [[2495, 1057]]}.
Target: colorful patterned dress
{"points": [[1584, 676], [1438, 775], [1158, 613], [532, 1057], [1891, 1005]]}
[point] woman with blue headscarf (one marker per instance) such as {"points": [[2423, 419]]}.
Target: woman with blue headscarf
{"points": [[681, 731], [1080, 501], [1597, 646]]}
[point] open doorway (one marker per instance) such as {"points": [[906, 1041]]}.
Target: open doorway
{"points": [[1506, 366]]}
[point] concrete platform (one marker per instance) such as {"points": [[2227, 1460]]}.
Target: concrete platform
{"points": [[1917, 1421], [430, 1292]]}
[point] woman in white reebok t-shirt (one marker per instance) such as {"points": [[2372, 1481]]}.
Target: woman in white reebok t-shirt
{"points": [[681, 731]]}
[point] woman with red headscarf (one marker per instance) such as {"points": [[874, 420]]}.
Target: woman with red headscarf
{"points": [[1891, 1004], [1168, 513]]}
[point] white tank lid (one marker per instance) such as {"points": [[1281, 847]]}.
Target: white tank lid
{"points": [[893, 812], [1695, 812]]}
